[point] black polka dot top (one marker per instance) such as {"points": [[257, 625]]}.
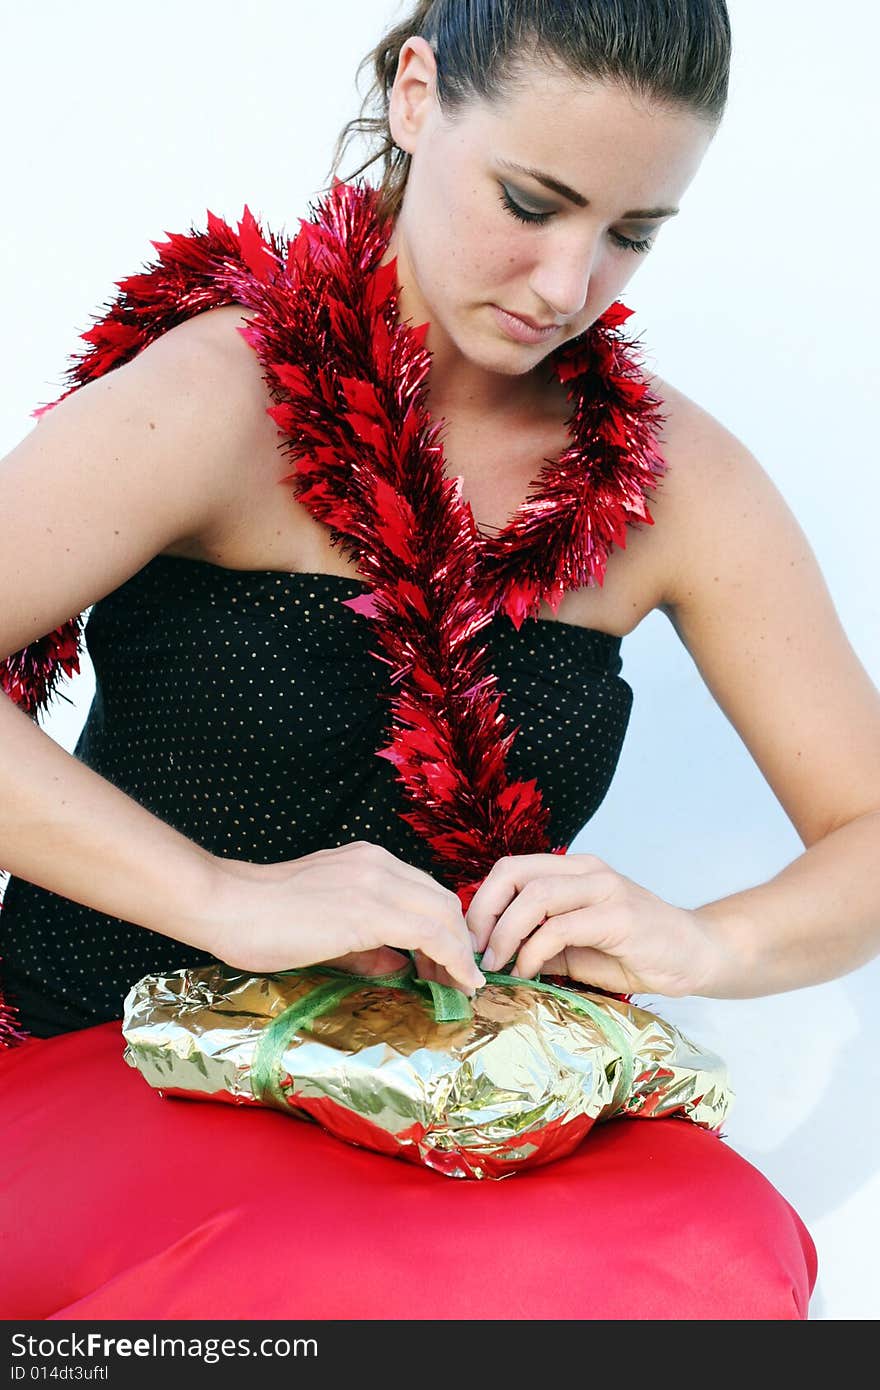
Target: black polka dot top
{"points": [[242, 707]]}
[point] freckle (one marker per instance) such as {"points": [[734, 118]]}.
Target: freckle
{"points": [[152, 426]]}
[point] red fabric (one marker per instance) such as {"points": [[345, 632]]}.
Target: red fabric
{"points": [[120, 1203]]}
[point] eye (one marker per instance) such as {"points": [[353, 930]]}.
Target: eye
{"points": [[539, 218], [521, 213], [640, 246]]}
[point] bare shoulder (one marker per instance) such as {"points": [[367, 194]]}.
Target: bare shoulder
{"points": [[207, 379], [713, 483], [208, 382], [134, 461], [211, 344], [723, 515], [656, 565], [230, 370]]}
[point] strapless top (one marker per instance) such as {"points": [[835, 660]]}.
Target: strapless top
{"points": [[245, 709]]}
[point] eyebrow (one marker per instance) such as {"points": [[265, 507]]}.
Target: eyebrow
{"points": [[565, 192]]}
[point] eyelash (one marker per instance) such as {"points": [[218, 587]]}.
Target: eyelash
{"points": [[540, 218]]}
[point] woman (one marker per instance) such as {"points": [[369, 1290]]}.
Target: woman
{"points": [[173, 827]]}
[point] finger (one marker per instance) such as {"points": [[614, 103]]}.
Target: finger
{"points": [[542, 897], [589, 967], [508, 877], [557, 965], [425, 899], [425, 968], [428, 969], [581, 940], [497, 891], [442, 945]]}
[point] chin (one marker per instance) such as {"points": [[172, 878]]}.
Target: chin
{"points": [[522, 360], [508, 358], [511, 363]]}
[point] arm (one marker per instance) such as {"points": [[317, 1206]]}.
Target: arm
{"points": [[748, 601], [817, 919], [87, 498], [66, 828], [741, 586]]}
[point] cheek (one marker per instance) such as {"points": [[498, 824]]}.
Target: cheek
{"points": [[478, 255], [500, 256], [481, 242], [470, 250]]}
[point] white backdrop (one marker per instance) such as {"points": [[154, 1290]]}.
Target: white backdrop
{"points": [[760, 302]]}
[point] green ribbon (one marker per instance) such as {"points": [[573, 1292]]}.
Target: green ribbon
{"points": [[449, 1005], [266, 1066]]}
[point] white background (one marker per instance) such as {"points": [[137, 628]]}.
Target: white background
{"points": [[124, 122]]}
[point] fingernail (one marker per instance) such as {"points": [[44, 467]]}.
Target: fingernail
{"points": [[488, 959]]}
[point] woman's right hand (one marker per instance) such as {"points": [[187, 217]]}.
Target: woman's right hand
{"points": [[348, 907]]}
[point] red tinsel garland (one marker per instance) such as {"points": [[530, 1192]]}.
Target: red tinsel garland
{"points": [[349, 385]]}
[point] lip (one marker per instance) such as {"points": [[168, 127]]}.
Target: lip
{"points": [[523, 330]]}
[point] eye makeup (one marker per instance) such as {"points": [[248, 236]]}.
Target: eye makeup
{"points": [[540, 218]]}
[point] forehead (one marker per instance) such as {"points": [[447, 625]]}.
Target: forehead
{"points": [[590, 136]]}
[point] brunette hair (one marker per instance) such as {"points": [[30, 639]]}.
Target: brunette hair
{"points": [[673, 52]]}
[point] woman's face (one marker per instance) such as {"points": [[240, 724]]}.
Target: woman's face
{"points": [[461, 244]]}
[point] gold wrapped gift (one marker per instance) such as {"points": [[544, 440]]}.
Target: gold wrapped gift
{"points": [[472, 1088]]}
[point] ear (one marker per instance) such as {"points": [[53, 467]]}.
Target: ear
{"points": [[414, 93]]}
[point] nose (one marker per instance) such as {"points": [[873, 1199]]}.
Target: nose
{"points": [[562, 278]]}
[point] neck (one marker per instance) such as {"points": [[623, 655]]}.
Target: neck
{"points": [[456, 391]]}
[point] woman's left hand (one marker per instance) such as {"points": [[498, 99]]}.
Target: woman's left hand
{"points": [[571, 914]]}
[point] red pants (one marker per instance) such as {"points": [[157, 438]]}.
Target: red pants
{"points": [[120, 1203]]}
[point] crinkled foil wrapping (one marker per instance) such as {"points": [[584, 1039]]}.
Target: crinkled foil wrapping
{"points": [[518, 1083]]}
